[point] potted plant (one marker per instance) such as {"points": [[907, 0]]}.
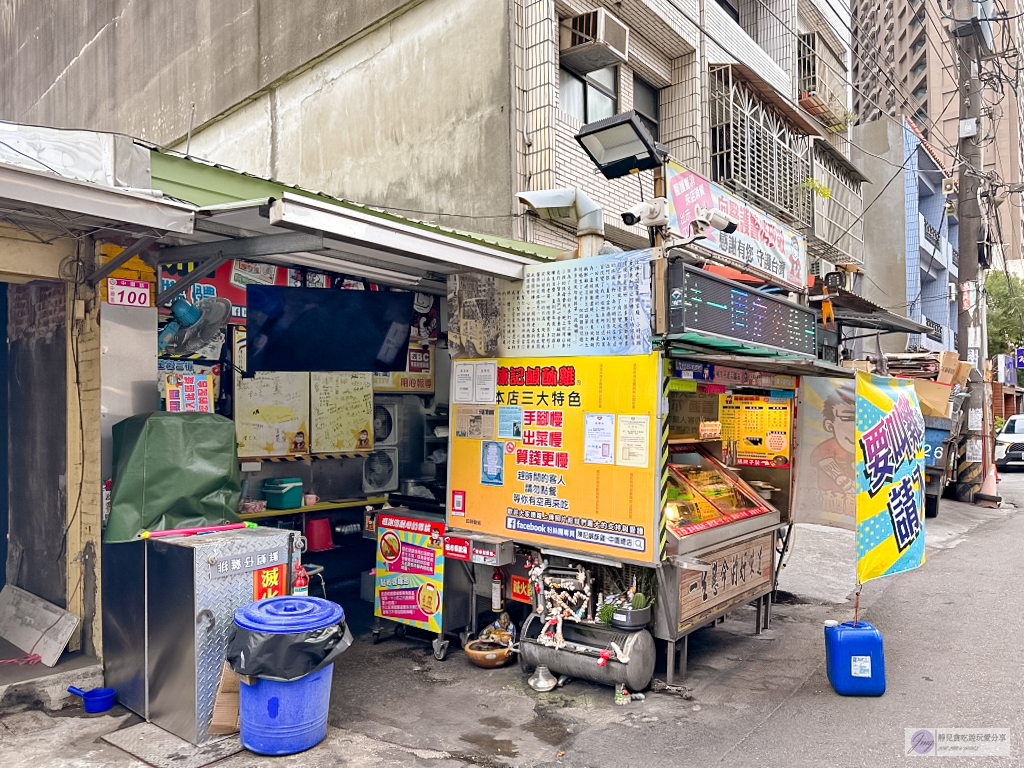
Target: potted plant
{"points": [[633, 616]]}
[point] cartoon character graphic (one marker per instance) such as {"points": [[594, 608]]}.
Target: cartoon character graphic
{"points": [[834, 458]]}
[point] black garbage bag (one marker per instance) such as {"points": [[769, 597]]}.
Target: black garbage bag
{"points": [[284, 657]]}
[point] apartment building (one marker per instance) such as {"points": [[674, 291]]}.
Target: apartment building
{"points": [[905, 64]]}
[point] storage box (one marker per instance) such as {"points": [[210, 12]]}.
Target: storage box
{"points": [[963, 370], [949, 363], [367, 582], [283, 492], [934, 398]]}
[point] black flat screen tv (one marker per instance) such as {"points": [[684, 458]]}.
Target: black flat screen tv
{"points": [[316, 329]]}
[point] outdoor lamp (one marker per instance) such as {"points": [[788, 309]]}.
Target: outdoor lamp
{"points": [[621, 144]]}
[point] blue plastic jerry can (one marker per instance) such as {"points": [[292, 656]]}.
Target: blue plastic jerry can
{"points": [[854, 658]]}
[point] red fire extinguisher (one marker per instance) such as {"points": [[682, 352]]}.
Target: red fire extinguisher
{"points": [[497, 591], [300, 584]]}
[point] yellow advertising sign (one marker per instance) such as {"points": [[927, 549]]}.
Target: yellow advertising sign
{"points": [[760, 426], [890, 477], [571, 460]]}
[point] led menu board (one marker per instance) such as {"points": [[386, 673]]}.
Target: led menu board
{"points": [[707, 305]]}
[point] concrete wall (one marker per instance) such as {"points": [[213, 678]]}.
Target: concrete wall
{"points": [[414, 115], [136, 67], [885, 278]]}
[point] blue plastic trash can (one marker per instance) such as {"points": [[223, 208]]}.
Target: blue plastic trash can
{"points": [[277, 717]]}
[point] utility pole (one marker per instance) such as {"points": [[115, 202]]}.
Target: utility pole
{"points": [[972, 450]]}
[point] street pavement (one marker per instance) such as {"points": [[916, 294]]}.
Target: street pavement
{"points": [[954, 657]]}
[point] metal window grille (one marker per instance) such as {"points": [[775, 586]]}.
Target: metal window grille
{"points": [[754, 151], [822, 89], [935, 330], [931, 234], [956, 258], [838, 232]]}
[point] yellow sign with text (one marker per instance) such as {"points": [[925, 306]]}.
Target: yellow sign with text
{"points": [[571, 460]]}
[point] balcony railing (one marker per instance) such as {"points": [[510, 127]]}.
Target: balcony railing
{"points": [[931, 234], [935, 332]]}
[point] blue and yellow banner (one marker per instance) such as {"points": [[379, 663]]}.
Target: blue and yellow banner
{"points": [[890, 477]]}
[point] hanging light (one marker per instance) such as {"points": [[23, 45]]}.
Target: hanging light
{"points": [[621, 144]]}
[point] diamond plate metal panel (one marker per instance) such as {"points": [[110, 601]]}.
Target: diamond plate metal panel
{"points": [[221, 597], [186, 658]]}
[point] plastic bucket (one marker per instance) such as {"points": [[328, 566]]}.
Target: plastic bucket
{"points": [[284, 717], [96, 700], [318, 535], [279, 718]]}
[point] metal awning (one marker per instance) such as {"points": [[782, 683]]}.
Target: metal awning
{"points": [[51, 206], [856, 311], [298, 230], [784, 366]]}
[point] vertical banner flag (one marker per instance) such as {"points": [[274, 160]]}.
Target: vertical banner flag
{"points": [[890, 477]]}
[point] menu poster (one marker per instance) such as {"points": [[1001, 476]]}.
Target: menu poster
{"points": [[599, 438], [760, 426], [341, 411], [188, 393], [633, 443], [409, 585]]}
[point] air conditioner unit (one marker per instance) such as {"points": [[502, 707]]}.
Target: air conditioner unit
{"points": [[385, 424], [592, 41], [380, 471], [821, 267], [948, 187]]}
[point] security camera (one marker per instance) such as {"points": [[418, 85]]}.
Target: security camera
{"points": [[650, 213], [715, 219]]}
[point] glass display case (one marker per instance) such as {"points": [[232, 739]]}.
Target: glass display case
{"points": [[704, 494]]}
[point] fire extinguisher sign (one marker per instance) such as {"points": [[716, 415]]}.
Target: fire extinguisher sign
{"points": [[268, 582]]}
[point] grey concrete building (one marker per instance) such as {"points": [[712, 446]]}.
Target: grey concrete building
{"points": [[443, 109]]}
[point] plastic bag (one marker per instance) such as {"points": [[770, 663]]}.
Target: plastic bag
{"points": [[284, 657]]}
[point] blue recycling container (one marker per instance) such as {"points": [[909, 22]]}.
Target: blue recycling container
{"points": [[854, 658], [277, 717]]}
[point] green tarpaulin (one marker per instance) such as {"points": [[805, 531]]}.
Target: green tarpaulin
{"points": [[172, 470]]}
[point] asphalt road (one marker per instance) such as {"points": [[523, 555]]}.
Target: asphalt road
{"points": [[954, 657]]}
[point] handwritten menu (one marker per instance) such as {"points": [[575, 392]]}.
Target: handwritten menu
{"points": [[271, 409], [341, 411]]}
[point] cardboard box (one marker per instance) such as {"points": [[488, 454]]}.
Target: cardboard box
{"points": [[225, 706], [934, 397], [948, 365], [963, 370], [859, 365]]}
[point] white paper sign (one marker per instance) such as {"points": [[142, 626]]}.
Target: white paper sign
{"points": [[632, 445], [485, 386], [973, 450], [974, 419], [463, 376], [599, 438]]}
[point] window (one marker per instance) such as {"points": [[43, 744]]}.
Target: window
{"points": [[731, 7], [645, 102], [592, 98]]}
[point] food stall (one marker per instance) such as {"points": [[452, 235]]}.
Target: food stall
{"points": [[658, 473]]}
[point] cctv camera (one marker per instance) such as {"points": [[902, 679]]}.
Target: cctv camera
{"points": [[714, 218], [650, 213], [634, 214]]}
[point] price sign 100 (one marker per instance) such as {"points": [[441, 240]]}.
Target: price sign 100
{"points": [[129, 293]]}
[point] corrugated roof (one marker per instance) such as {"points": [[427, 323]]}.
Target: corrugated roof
{"points": [[180, 176]]}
